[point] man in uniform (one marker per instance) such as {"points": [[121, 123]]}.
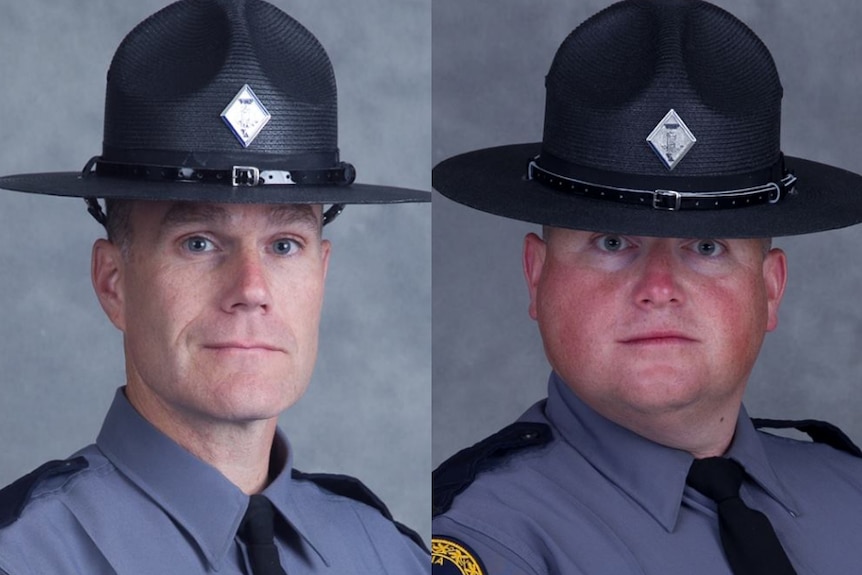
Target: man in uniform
{"points": [[219, 168], [659, 183]]}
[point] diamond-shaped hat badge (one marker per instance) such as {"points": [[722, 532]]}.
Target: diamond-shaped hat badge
{"points": [[245, 116], [671, 139]]}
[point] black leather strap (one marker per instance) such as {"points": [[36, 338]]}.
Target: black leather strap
{"points": [[665, 199], [341, 175], [344, 175]]}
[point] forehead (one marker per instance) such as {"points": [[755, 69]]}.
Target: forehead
{"points": [[161, 216], [548, 231]]}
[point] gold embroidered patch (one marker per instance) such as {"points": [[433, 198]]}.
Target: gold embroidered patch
{"points": [[449, 556]]}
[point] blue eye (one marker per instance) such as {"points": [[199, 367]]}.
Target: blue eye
{"points": [[612, 243], [708, 248], [198, 244], [285, 246]]}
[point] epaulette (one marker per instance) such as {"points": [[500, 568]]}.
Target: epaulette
{"points": [[352, 488], [457, 473], [818, 431], [15, 496]]}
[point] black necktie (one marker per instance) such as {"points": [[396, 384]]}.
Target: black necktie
{"points": [[257, 530], [749, 541]]}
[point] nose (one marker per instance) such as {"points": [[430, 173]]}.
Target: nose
{"points": [[658, 281], [247, 285]]}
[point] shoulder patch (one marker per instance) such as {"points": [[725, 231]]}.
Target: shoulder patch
{"points": [[352, 488], [818, 431], [450, 556], [15, 496], [457, 473]]}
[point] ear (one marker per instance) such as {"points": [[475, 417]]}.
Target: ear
{"points": [[106, 272], [534, 261], [775, 279]]}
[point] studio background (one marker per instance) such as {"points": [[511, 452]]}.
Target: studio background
{"points": [[489, 62], [367, 411]]}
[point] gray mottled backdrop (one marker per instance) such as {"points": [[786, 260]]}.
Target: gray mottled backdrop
{"points": [[490, 58], [367, 412]]}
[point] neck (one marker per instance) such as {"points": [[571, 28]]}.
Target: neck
{"points": [[700, 434], [239, 450], [708, 436], [702, 431]]}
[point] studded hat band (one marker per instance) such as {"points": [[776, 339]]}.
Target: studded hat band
{"points": [[343, 174], [666, 199]]}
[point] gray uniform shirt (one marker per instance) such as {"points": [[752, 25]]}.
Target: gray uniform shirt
{"points": [[601, 500], [145, 505]]}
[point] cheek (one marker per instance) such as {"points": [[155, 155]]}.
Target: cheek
{"points": [[745, 302], [571, 312], [300, 296], [738, 316], [158, 304]]}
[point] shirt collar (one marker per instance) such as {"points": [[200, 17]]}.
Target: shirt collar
{"points": [[184, 486], [298, 511], [651, 474], [747, 448]]}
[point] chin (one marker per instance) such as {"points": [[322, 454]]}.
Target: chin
{"points": [[257, 399], [247, 411], [661, 395]]}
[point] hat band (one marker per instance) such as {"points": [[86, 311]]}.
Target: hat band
{"points": [[665, 199], [342, 175]]}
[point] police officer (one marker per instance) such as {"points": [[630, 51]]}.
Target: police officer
{"points": [[219, 167], [659, 182]]}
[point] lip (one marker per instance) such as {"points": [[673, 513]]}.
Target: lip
{"points": [[658, 338], [242, 346]]}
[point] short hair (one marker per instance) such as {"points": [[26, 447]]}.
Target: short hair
{"points": [[118, 223]]}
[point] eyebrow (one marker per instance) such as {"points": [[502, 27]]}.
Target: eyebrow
{"points": [[181, 213]]}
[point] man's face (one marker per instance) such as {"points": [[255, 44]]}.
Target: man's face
{"points": [[644, 328], [219, 306]]}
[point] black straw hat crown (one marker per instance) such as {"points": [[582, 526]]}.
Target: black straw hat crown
{"points": [[205, 51], [685, 55]]}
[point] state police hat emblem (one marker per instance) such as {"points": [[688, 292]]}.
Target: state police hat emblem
{"points": [[671, 139]]}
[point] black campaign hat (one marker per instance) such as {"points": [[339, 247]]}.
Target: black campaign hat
{"points": [[662, 118], [219, 101]]}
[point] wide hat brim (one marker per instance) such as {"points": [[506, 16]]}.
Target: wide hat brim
{"points": [[494, 180], [75, 185]]}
